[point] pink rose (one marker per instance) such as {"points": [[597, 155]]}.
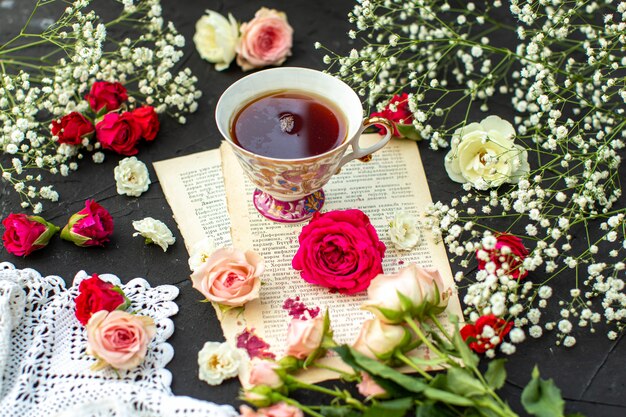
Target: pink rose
{"points": [[508, 254], [381, 340], [265, 40], [340, 250], [304, 337], [72, 128], [422, 290], [118, 339], [91, 226], [368, 387], [24, 234], [119, 133], [106, 94], [264, 373], [230, 277], [280, 409]]}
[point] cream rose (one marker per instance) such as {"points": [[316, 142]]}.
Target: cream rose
{"points": [[230, 277], [118, 338], [304, 337], [484, 155], [131, 177], [404, 231], [413, 291], [200, 252], [265, 40], [216, 39], [380, 340], [154, 231], [217, 362]]}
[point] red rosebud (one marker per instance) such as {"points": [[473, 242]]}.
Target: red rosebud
{"points": [[96, 295], [72, 128], [25, 234], [402, 114], [474, 332], [148, 120], [119, 133], [91, 226], [339, 250], [509, 250], [106, 94]]}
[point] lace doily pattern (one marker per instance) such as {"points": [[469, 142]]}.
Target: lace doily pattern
{"points": [[45, 371]]}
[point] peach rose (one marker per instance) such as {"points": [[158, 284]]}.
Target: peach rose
{"points": [[230, 277], [277, 410], [264, 373], [265, 40], [304, 337], [413, 290], [118, 338], [381, 340], [368, 387]]}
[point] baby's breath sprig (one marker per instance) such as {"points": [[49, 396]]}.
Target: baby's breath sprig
{"points": [[565, 79], [80, 48]]}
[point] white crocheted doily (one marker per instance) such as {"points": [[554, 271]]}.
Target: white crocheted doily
{"points": [[44, 370]]}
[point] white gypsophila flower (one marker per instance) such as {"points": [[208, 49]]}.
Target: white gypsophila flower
{"points": [[131, 177], [216, 39], [200, 252], [404, 231], [154, 231], [217, 362], [484, 154]]}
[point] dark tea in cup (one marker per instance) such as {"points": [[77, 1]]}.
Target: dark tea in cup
{"points": [[289, 124]]}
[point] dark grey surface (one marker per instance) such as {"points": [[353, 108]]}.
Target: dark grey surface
{"points": [[592, 375]]}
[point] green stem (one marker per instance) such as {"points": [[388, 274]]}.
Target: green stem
{"points": [[415, 327], [413, 366], [302, 407]]}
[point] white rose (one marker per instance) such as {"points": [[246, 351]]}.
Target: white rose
{"points": [[155, 231], [200, 252], [484, 154], [131, 177], [216, 39], [217, 362], [404, 231]]}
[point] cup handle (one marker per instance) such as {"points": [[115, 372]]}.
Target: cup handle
{"points": [[365, 155]]}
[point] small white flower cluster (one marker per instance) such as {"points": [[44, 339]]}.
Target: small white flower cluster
{"points": [[32, 96], [566, 84]]}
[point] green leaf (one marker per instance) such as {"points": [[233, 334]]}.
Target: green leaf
{"points": [[575, 415], [392, 408], [496, 373], [447, 397], [375, 368], [433, 409], [408, 131], [542, 398], [467, 356], [338, 411], [463, 383]]}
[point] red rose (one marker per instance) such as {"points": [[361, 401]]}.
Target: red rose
{"points": [[72, 128], [148, 120], [106, 94], [25, 234], [508, 253], [91, 226], [96, 295], [402, 114], [340, 250], [479, 342], [119, 133]]}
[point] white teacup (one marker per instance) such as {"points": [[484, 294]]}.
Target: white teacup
{"points": [[290, 190]]}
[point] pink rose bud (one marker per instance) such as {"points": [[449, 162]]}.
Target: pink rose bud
{"points": [[118, 339], [280, 409], [91, 226], [264, 373], [369, 388], [265, 40], [304, 337], [414, 291], [230, 277], [381, 340], [24, 234]]}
